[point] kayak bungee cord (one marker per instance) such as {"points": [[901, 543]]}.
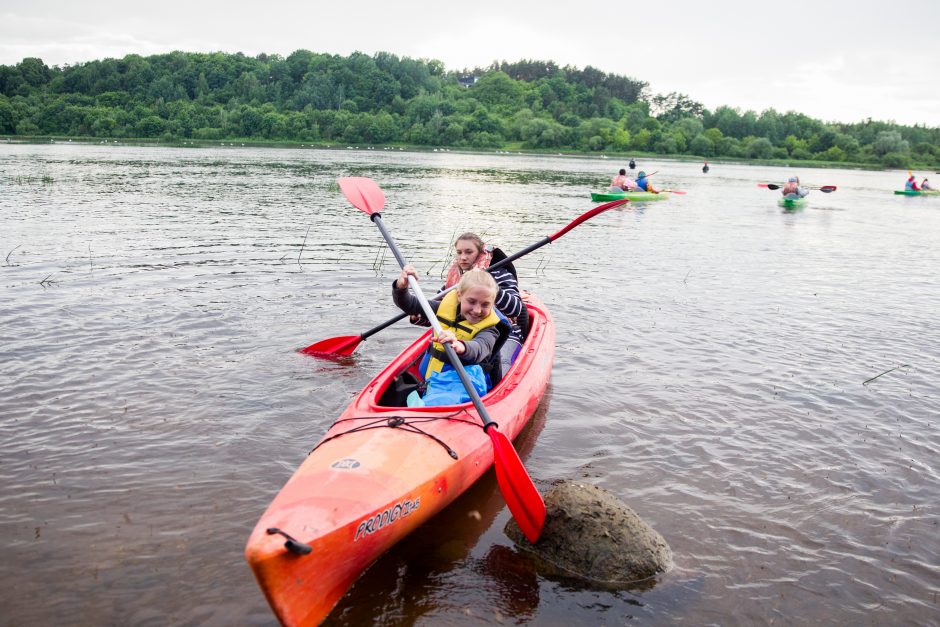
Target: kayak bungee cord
{"points": [[403, 423]]}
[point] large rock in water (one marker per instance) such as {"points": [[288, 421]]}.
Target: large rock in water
{"points": [[591, 534]]}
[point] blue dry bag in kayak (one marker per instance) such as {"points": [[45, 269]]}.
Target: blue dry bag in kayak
{"points": [[445, 388]]}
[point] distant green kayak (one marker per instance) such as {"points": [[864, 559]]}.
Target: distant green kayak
{"points": [[631, 196], [911, 192], [792, 203]]}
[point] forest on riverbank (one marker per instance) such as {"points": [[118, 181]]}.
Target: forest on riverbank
{"points": [[384, 99]]}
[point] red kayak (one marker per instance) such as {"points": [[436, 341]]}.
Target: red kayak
{"points": [[380, 472]]}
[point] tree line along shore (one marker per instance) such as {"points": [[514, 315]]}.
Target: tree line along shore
{"points": [[386, 100]]}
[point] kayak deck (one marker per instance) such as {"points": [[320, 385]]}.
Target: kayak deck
{"points": [[792, 203], [380, 472], [631, 196], [921, 192]]}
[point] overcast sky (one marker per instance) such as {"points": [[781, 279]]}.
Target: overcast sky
{"points": [[835, 61]]}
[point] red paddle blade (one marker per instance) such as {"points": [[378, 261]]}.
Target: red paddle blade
{"points": [[335, 346], [363, 193], [524, 501], [675, 191], [826, 189], [763, 184]]}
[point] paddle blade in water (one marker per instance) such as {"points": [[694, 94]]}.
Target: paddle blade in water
{"points": [[826, 189], [524, 501], [363, 193], [342, 346]]}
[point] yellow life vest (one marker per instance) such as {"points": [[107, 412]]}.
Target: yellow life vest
{"points": [[447, 315]]}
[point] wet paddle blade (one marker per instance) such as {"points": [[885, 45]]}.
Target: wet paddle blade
{"points": [[827, 189], [363, 193], [342, 346], [524, 501]]}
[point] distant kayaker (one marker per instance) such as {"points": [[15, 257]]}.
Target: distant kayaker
{"points": [[632, 164], [621, 183], [792, 188], [705, 168], [643, 183], [925, 186], [911, 185], [471, 325]]}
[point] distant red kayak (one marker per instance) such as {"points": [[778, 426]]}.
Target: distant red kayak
{"points": [[380, 472]]}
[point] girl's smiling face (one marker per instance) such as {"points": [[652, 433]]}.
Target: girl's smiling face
{"points": [[476, 303]]}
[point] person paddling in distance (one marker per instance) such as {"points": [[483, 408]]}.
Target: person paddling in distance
{"points": [[621, 183], [632, 164], [925, 186], [470, 324], [911, 184], [643, 183], [792, 188], [705, 168]]}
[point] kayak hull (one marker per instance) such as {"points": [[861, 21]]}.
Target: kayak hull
{"points": [[631, 196], [361, 491], [911, 192], [792, 203]]}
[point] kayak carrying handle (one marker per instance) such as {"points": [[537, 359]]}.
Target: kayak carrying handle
{"points": [[292, 544]]}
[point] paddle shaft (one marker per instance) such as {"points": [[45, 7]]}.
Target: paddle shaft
{"points": [[525, 251], [436, 325], [826, 189]]}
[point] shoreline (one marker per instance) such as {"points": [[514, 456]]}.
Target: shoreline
{"points": [[515, 151]]}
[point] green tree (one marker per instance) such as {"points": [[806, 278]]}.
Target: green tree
{"points": [[703, 146], [150, 126], [833, 153], [7, 116], [35, 73], [888, 142], [497, 90]]}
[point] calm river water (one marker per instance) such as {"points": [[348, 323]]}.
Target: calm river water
{"points": [[713, 366]]}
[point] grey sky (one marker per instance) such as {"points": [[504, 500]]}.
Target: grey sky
{"points": [[836, 61]]}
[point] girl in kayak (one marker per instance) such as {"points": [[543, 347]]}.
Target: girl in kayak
{"points": [[925, 186], [470, 252], [471, 325], [911, 185], [621, 183], [642, 182], [792, 188]]}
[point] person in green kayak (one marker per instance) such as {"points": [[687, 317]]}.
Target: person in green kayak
{"points": [[911, 185], [925, 186], [792, 188], [621, 183], [643, 183]]}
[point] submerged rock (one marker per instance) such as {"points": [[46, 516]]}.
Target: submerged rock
{"points": [[589, 533]]}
